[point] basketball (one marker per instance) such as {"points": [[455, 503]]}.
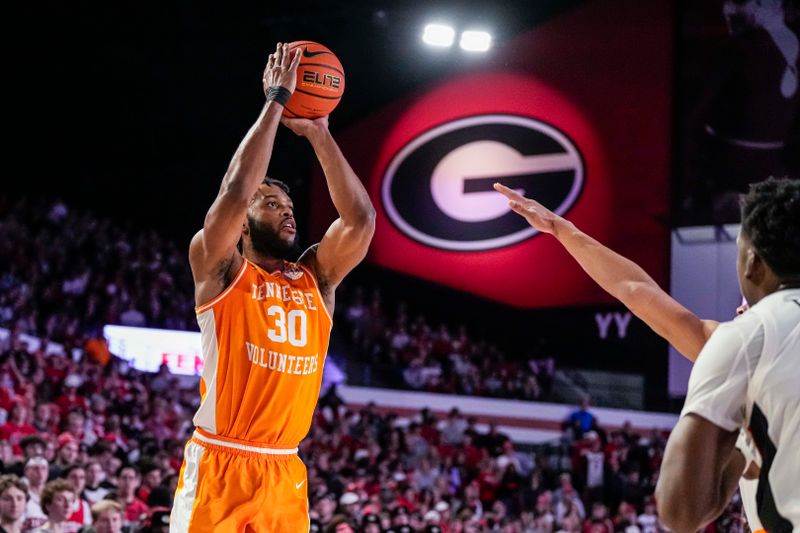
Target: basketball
{"points": [[320, 82]]}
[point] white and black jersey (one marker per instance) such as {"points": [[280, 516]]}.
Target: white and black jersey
{"points": [[748, 375]]}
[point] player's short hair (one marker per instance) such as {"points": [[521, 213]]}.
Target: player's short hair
{"points": [[105, 505], [276, 183], [10, 480], [771, 220], [52, 488]]}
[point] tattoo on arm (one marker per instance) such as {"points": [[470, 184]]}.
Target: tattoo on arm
{"points": [[322, 282]]}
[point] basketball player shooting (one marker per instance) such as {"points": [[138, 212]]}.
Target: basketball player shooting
{"points": [[629, 283], [265, 324]]}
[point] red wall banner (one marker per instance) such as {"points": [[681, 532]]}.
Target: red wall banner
{"points": [[575, 113]]}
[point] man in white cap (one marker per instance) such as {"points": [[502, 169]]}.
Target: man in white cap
{"points": [[348, 504], [36, 471]]}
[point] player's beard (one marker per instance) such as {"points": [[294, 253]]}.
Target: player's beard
{"points": [[266, 241]]}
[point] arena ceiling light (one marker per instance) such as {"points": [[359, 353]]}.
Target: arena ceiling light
{"points": [[439, 35], [475, 41]]}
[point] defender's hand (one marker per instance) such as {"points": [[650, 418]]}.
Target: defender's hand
{"points": [[535, 213], [281, 70]]}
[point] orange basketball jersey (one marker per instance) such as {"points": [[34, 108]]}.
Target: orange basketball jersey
{"points": [[264, 340]]}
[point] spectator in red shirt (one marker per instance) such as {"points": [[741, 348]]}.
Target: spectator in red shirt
{"points": [[428, 430], [151, 478], [70, 400], [67, 454], [45, 418], [81, 512], [128, 481], [473, 454], [598, 522], [17, 426], [76, 426]]}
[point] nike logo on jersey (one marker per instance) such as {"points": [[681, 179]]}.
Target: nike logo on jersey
{"points": [[298, 485], [306, 53]]}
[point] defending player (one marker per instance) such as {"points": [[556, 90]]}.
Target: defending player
{"points": [[265, 324], [627, 282]]}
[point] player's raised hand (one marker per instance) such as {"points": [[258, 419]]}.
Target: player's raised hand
{"points": [[535, 213], [306, 127], [281, 69]]}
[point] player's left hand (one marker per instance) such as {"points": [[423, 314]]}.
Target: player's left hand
{"points": [[305, 127]]}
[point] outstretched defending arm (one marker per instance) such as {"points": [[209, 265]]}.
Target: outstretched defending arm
{"points": [[345, 243], [213, 255], [620, 277]]}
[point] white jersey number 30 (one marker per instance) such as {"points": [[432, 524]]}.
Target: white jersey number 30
{"points": [[291, 326]]}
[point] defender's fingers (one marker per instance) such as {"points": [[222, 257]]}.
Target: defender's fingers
{"points": [[508, 193], [518, 208]]}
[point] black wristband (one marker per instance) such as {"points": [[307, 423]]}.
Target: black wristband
{"points": [[279, 94]]}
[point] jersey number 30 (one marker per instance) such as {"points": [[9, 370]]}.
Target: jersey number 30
{"points": [[290, 326]]}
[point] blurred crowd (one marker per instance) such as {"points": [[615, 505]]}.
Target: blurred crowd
{"points": [[64, 274], [434, 359], [374, 473], [82, 444], [86, 447], [87, 443]]}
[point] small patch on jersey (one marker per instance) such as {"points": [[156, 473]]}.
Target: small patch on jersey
{"points": [[293, 273]]}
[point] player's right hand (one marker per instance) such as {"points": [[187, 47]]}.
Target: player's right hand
{"points": [[281, 70], [535, 213]]}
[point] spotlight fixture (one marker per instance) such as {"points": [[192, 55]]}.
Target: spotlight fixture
{"points": [[439, 35], [475, 41]]}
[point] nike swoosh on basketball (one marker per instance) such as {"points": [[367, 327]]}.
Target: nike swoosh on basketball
{"points": [[306, 53], [298, 485]]}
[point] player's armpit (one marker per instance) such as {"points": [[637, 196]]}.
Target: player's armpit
{"points": [[342, 248], [212, 272]]}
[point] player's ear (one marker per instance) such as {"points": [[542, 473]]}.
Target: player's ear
{"points": [[753, 266]]}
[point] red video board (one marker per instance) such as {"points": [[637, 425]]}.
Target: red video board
{"points": [[575, 113]]}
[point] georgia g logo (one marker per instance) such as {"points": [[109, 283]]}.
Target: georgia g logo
{"points": [[438, 188]]}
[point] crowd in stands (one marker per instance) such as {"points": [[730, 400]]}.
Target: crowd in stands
{"points": [[89, 444], [435, 359], [85, 445], [64, 274], [372, 473], [76, 433]]}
